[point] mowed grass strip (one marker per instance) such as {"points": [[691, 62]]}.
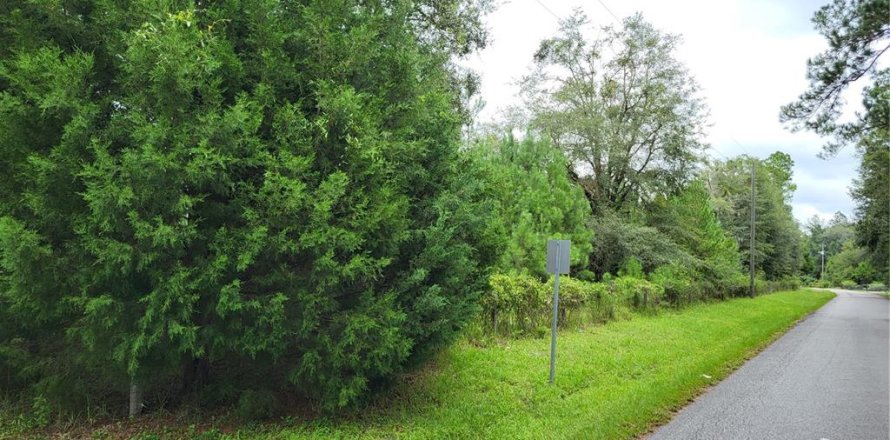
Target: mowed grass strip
{"points": [[612, 381]]}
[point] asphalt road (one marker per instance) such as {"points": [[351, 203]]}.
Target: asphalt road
{"points": [[827, 378]]}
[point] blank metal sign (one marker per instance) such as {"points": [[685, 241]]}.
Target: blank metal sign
{"points": [[558, 256]]}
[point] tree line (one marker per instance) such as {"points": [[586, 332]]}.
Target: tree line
{"points": [[218, 202], [858, 36]]}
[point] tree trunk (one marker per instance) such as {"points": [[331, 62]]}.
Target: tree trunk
{"points": [[135, 399], [194, 375]]}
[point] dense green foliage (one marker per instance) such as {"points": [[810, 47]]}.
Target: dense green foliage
{"points": [[690, 220], [858, 35], [847, 263], [777, 236], [535, 200], [233, 202], [619, 238], [522, 304], [872, 189], [231, 192]]}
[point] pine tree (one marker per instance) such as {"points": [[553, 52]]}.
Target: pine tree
{"points": [[536, 200]]}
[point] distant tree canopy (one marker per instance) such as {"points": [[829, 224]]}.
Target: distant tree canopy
{"points": [[267, 189], [847, 261], [833, 235], [621, 107], [777, 236], [871, 190], [858, 35]]}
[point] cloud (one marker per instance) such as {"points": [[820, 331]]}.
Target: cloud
{"points": [[803, 212]]}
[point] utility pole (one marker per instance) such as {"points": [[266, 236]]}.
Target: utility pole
{"points": [[822, 253], [753, 220]]}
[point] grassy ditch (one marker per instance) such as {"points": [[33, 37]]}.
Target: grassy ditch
{"points": [[613, 381]]}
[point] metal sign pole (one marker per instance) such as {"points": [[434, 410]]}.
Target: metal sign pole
{"points": [[555, 316], [558, 262]]}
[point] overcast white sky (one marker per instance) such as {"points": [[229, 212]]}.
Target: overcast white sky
{"points": [[748, 56]]}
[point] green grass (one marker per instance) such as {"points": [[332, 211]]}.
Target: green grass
{"points": [[613, 381]]}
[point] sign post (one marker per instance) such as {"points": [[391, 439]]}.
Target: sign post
{"points": [[557, 263]]}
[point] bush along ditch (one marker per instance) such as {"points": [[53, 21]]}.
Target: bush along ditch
{"points": [[517, 305]]}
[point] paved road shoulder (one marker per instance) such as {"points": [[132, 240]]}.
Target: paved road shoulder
{"points": [[827, 378]]}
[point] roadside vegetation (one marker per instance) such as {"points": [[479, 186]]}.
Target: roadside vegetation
{"points": [[846, 264], [613, 381], [251, 207], [858, 36]]}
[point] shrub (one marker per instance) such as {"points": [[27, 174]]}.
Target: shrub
{"points": [[586, 275], [584, 301], [877, 286], [864, 273], [632, 268], [790, 283], [522, 304], [617, 239], [638, 293], [849, 284], [515, 303], [257, 405], [807, 280], [675, 281]]}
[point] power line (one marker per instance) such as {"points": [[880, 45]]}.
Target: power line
{"points": [[740, 145], [548, 10], [555, 15], [710, 154], [609, 11]]}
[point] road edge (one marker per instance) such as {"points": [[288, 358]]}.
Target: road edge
{"points": [[732, 368]]}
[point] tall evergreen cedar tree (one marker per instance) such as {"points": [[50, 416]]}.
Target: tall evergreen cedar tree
{"points": [[255, 193]]}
